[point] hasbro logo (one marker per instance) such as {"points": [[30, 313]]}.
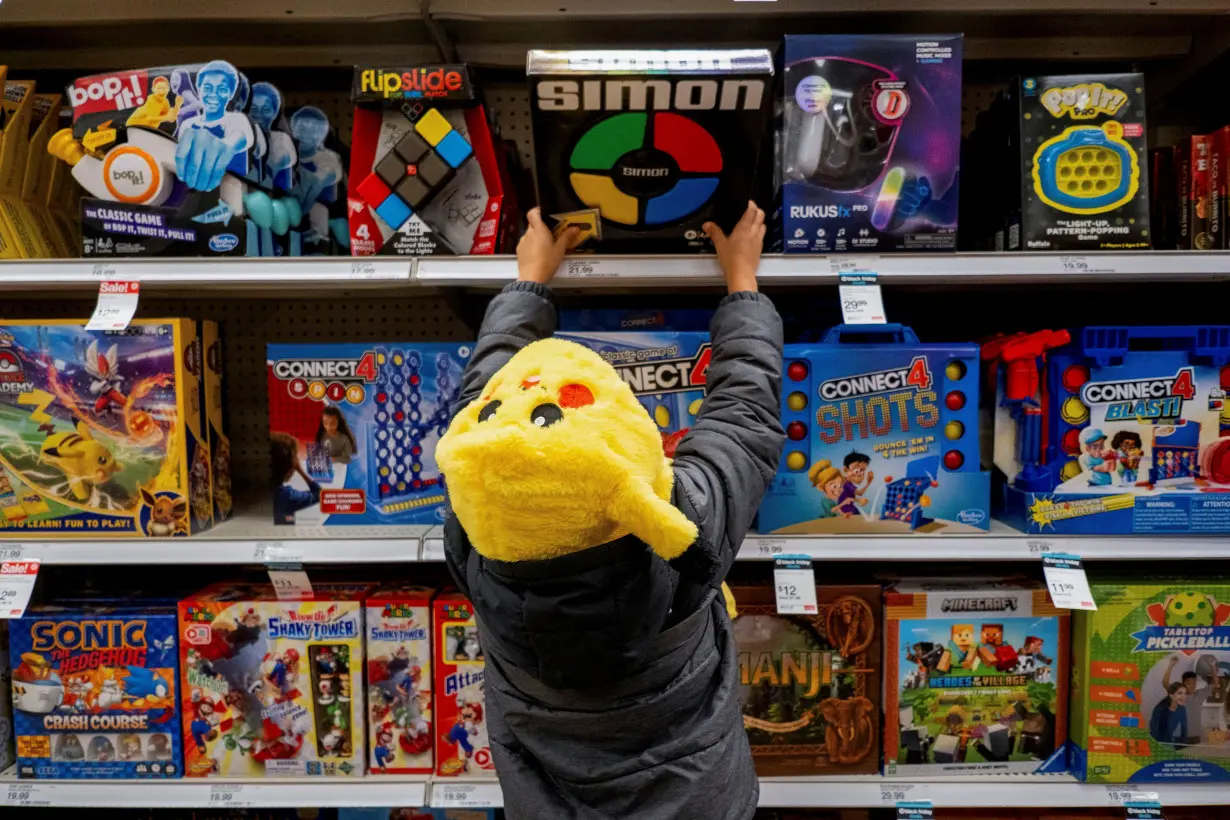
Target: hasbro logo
{"points": [[973, 517], [223, 242]]}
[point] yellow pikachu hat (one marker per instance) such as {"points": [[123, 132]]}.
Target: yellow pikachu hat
{"points": [[557, 456]]}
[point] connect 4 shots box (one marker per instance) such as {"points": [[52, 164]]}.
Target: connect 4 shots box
{"points": [[870, 136], [353, 430], [270, 687], [882, 437], [1123, 430], [462, 748], [666, 371], [94, 692], [976, 678], [1084, 181], [399, 680], [641, 148], [1151, 682], [425, 174], [102, 433]]}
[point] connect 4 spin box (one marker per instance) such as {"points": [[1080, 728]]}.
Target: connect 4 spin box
{"points": [[353, 430], [882, 437]]}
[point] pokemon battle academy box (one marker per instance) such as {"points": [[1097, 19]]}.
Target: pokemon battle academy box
{"points": [[1151, 678], [641, 148], [102, 432], [94, 692]]}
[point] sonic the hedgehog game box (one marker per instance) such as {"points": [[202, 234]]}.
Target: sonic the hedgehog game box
{"points": [[643, 147]]}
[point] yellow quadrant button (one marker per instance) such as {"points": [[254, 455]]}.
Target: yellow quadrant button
{"points": [[600, 192], [433, 127]]}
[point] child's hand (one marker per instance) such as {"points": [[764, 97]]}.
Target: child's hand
{"points": [[739, 253], [538, 253]]}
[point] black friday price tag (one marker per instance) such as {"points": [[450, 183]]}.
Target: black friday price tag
{"points": [[794, 583], [1144, 810], [915, 810], [862, 303], [1066, 581]]}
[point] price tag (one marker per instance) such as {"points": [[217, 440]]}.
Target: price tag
{"points": [[464, 796], [232, 795], [290, 582], [433, 549], [1036, 546], [103, 270], [769, 547], [1144, 811], [853, 264], [10, 552], [1083, 264], [795, 584], [915, 810], [1120, 795], [861, 300], [117, 304], [25, 793], [277, 552], [1066, 581], [893, 793], [16, 585], [586, 267]]}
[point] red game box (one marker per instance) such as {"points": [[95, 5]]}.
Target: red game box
{"points": [[462, 748]]}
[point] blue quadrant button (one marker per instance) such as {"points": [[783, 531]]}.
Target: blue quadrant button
{"points": [[678, 202]]}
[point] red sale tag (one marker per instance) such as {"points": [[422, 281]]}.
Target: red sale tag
{"points": [[117, 304], [16, 585]]}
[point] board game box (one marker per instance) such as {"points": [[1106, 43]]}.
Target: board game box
{"points": [[1151, 682], [273, 688], [641, 148], [462, 749], [811, 683], [94, 691], [870, 135], [399, 680], [212, 365], [415, 814], [102, 433], [353, 430], [975, 677], [882, 437], [666, 371]]}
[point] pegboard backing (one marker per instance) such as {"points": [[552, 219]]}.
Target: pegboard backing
{"points": [[248, 324], [510, 106]]}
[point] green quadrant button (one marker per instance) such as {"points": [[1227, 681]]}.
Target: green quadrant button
{"points": [[602, 145]]}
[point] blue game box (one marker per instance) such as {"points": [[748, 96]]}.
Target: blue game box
{"points": [[881, 437], [94, 691], [353, 430]]}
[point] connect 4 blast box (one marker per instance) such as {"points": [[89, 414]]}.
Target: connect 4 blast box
{"points": [[1114, 430], [882, 437], [399, 680], [1084, 181], [870, 136], [666, 370], [353, 430], [641, 148], [94, 692], [426, 176], [1151, 678], [976, 678], [102, 431], [462, 748], [272, 687]]}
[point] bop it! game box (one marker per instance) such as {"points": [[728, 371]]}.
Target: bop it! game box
{"points": [[353, 430], [102, 432], [94, 692], [399, 680], [869, 133], [273, 687], [1130, 433], [462, 748], [882, 437], [1151, 678], [666, 371], [1084, 181], [811, 683], [426, 175], [643, 147], [976, 677]]}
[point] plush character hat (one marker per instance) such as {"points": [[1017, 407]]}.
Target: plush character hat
{"points": [[557, 456]]}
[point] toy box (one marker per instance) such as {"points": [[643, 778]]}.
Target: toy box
{"points": [[666, 371], [882, 437], [1202, 193], [869, 136], [1120, 430], [104, 432], [1151, 682], [272, 687], [6, 708], [20, 234], [462, 748], [399, 680], [354, 429], [94, 691], [415, 814], [975, 677], [811, 684], [215, 421], [1219, 186], [426, 175], [643, 147], [36, 177], [1083, 149]]}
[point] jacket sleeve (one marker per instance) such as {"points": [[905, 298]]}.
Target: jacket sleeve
{"points": [[523, 312], [725, 463]]}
